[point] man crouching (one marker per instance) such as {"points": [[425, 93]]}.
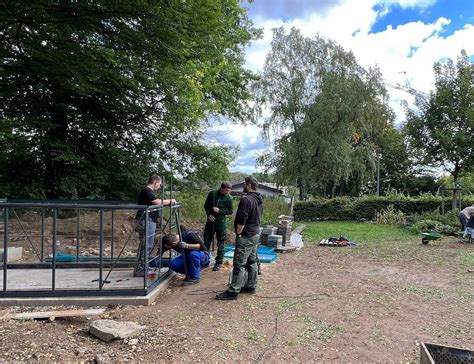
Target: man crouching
{"points": [[193, 253]]}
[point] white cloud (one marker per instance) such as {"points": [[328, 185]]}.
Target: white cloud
{"points": [[403, 53], [234, 134]]}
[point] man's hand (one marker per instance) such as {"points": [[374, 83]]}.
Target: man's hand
{"points": [[216, 209], [183, 245], [211, 218], [172, 201]]}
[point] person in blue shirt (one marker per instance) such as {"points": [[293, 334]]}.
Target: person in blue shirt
{"points": [[193, 252]]}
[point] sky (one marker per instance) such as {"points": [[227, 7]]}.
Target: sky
{"points": [[402, 37]]}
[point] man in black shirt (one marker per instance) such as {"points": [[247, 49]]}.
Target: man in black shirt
{"points": [[148, 197], [246, 224]]}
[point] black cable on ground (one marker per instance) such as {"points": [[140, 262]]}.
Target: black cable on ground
{"points": [[312, 297], [300, 298]]}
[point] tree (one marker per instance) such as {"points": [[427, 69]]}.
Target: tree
{"points": [[441, 129], [325, 112], [97, 95]]}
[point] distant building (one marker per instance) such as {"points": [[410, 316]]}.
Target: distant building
{"points": [[263, 188]]}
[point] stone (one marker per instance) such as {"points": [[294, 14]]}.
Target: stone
{"points": [[108, 330], [133, 342], [14, 253], [102, 359]]}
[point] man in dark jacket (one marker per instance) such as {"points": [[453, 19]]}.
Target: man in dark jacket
{"points": [[218, 205], [246, 224]]}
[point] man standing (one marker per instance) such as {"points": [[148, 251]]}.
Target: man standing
{"points": [[466, 217], [246, 224], [218, 204], [147, 197]]}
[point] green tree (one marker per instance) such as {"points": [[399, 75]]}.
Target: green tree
{"points": [[97, 95], [441, 129], [326, 113]]}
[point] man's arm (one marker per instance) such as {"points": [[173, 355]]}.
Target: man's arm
{"points": [[241, 216], [208, 204], [194, 240], [159, 201]]}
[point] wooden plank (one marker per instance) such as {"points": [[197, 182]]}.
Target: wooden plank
{"points": [[299, 229], [285, 249], [48, 314]]}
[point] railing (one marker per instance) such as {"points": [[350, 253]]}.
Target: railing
{"points": [[51, 267]]}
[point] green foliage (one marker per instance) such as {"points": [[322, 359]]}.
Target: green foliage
{"points": [[389, 216], [325, 110], [447, 224], [441, 130], [272, 208], [466, 181], [366, 208], [432, 225], [95, 96], [192, 203]]}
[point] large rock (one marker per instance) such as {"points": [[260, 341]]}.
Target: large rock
{"points": [[108, 330]]}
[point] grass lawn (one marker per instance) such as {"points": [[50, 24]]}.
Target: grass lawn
{"points": [[389, 242]]}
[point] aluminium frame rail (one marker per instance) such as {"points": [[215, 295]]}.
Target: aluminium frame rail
{"points": [[7, 210]]}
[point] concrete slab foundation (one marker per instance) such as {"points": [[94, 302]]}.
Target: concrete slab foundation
{"points": [[21, 279]]}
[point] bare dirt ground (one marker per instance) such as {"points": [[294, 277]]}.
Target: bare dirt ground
{"points": [[319, 304]]}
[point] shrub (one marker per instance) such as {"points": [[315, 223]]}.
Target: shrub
{"points": [[366, 208], [272, 208], [389, 216], [433, 225], [447, 224]]}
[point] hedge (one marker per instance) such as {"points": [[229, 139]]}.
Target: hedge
{"points": [[365, 208]]}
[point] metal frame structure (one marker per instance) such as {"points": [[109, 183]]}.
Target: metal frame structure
{"points": [[457, 190], [103, 264]]}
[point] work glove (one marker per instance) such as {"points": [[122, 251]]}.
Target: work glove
{"points": [[202, 247], [183, 245]]}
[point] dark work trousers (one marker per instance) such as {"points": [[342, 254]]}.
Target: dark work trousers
{"points": [[219, 229], [245, 269]]}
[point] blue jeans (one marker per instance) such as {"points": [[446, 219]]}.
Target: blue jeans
{"points": [[195, 260], [150, 232]]}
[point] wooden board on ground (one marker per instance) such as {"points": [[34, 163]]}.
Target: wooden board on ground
{"points": [[285, 249], [49, 314]]}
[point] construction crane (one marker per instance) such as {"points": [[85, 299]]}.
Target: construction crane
{"points": [[407, 88]]}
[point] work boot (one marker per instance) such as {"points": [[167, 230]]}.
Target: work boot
{"points": [[226, 296], [217, 267], [248, 290], [189, 282]]}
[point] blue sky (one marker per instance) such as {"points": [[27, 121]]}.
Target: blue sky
{"points": [[403, 37]]}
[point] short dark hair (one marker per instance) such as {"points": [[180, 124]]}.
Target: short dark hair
{"points": [[226, 184], [168, 239], [154, 178], [252, 182]]}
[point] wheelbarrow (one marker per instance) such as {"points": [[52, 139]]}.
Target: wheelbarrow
{"points": [[431, 235]]}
